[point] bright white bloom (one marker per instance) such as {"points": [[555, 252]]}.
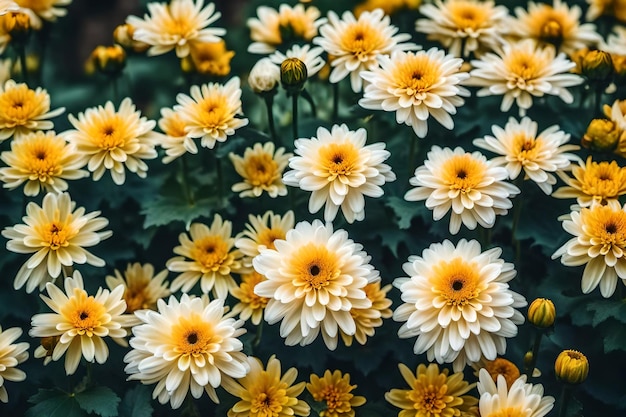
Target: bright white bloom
{"points": [[339, 169], [458, 303], [310, 56], [356, 44], [11, 355], [261, 169], [174, 139], [264, 76], [416, 86], [315, 277], [521, 148]]}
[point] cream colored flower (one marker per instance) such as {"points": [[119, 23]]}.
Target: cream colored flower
{"points": [[174, 140], [315, 276], [261, 169], [262, 231], [37, 10], [357, 44], [522, 71], [617, 113], [176, 25], [250, 305], [114, 140], [264, 76], [56, 233], [82, 321], [467, 183], [416, 86], [142, 289], [335, 391], [339, 169], [522, 149], [368, 319], [187, 345], [211, 112], [458, 303], [310, 56], [615, 41], [463, 27], [11, 355]]}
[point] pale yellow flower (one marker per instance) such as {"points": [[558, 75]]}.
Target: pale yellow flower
{"points": [[368, 319], [250, 305], [261, 169], [11, 355], [174, 139], [211, 58], [262, 231], [142, 289], [335, 390]]}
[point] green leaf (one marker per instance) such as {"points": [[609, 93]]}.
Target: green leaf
{"points": [[404, 210], [136, 403], [605, 309], [165, 210], [54, 403], [99, 400], [615, 338], [574, 407]]}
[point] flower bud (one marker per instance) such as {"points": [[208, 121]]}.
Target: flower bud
{"points": [[571, 367], [597, 65], [123, 35], [541, 313], [264, 76], [17, 25], [293, 75], [209, 58], [619, 68], [601, 135], [106, 59]]}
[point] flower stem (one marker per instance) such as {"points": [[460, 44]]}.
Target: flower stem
{"points": [[599, 90], [22, 54], [115, 88], [294, 119], [259, 334], [531, 367], [517, 212], [220, 180], [308, 98], [566, 394], [269, 102], [184, 181], [335, 101]]}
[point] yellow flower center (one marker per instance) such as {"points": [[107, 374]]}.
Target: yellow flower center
{"points": [[261, 169], [40, 156], [37, 6], [56, 234], [550, 25], [607, 227], [429, 399], [192, 336], [468, 16], [84, 313], [173, 126], [362, 40], [210, 252], [246, 294], [523, 67], [337, 401], [136, 295], [19, 104], [506, 368], [339, 159], [527, 148], [268, 396], [268, 236], [417, 75], [109, 131], [292, 26], [509, 412], [463, 173], [457, 281], [213, 111], [315, 267], [603, 180]]}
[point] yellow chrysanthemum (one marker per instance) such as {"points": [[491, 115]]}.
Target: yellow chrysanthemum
{"points": [[599, 8], [11, 355], [250, 305], [211, 58], [174, 139], [37, 10], [261, 169], [335, 390], [262, 231], [499, 366], [368, 319], [390, 7], [142, 289]]}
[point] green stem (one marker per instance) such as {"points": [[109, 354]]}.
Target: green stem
{"points": [[22, 54], [517, 212], [412, 153], [269, 102], [566, 393], [308, 98], [599, 90], [184, 181], [220, 180], [115, 87], [294, 119], [335, 102], [259, 334], [533, 361]]}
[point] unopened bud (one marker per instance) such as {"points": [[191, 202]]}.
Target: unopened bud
{"points": [[16, 24], [264, 76], [542, 313], [293, 75], [571, 367], [597, 65], [123, 35], [619, 68], [106, 59], [601, 135]]}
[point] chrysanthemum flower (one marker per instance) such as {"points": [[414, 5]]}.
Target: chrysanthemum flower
{"points": [[467, 183], [315, 276], [274, 28], [211, 112], [599, 8], [499, 366], [208, 257], [267, 392], [463, 26], [416, 86], [432, 393], [261, 233], [458, 303], [522, 71], [210, 58], [250, 305], [557, 25], [599, 243], [335, 390], [368, 319], [11, 355], [56, 233], [176, 26], [616, 113], [142, 289], [43, 161], [264, 76], [81, 321], [23, 110], [310, 56], [261, 169], [356, 44], [339, 169], [593, 182], [521, 399], [174, 139], [37, 10], [521, 148], [187, 345], [114, 140]]}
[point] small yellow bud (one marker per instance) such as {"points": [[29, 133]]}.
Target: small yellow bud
{"points": [[106, 59], [211, 58], [541, 313], [601, 135], [571, 367], [597, 65], [16, 24], [123, 35], [293, 75]]}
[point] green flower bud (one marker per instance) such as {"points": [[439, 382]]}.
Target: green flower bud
{"points": [[106, 59], [541, 313], [597, 65], [293, 75], [571, 367]]}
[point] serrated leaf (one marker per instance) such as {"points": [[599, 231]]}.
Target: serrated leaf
{"points": [[166, 210], [136, 403], [54, 403], [404, 210], [99, 400], [605, 309]]}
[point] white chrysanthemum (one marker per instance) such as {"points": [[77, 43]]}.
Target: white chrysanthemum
{"points": [[187, 345], [520, 400], [463, 26], [11, 355], [262, 231], [356, 44], [458, 303], [521, 148], [174, 140], [56, 233], [211, 111], [339, 169], [416, 86], [315, 277], [261, 169], [310, 56], [81, 321], [522, 71], [264, 76], [176, 26], [467, 183]]}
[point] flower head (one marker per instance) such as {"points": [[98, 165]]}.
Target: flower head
{"points": [[498, 366], [261, 233], [458, 303], [82, 321], [368, 319], [264, 76], [310, 56], [187, 345], [142, 289], [209, 58], [541, 313], [616, 113], [174, 139], [56, 233], [571, 367], [37, 10], [339, 169], [11, 355], [250, 305], [335, 390], [261, 169]]}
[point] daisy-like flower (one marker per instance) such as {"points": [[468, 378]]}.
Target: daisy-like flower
{"points": [[211, 112], [368, 319], [599, 243], [43, 161], [310, 56], [557, 24], [458, 303], [339, 169], [274, 28], [142, 289], [82, 321], [187, 345], [522, 71], [267, 392], [176, 25], [416, 86], [210, 58], [11, 355], [38, 10], [261, 233], [467, 183], [521, 148], [463, 27], [432, 393], [593, 182], [174, 139], [356, 44], [335, 390], [56, 233], [521, 399], [315, 276], [261, 169], [250, 305], [207, 257], [23, 110], [114, 140]]}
